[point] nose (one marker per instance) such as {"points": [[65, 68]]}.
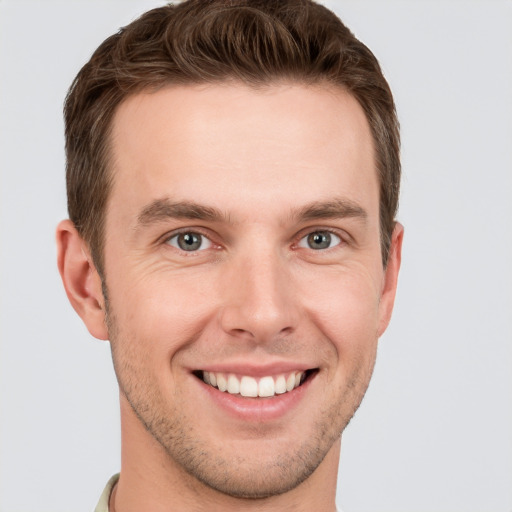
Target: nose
{"points": [[259, 300]]}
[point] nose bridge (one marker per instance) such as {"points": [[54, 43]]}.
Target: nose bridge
{"points": [[259, 300]]}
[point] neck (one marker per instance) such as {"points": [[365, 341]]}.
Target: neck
{"points": [[151, 480]]}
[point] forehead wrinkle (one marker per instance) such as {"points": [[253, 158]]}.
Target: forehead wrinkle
{"points": [[337, 208]]}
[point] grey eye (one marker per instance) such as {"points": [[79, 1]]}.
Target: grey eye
{"points": [[319, 240], [190, 241]]}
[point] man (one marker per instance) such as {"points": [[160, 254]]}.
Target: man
{"points": [[233, 173]]}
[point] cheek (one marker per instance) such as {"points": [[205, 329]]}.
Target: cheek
{"points": [[346, 309], [163, 310], [152, 320]]}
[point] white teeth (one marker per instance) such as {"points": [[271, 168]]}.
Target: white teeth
{"points": [[266, 387], [290, 382], [248, 386], [251, 387], [222, 383], [280, 385], [233, 385]]}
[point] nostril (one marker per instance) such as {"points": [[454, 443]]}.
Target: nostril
{"points": [[242, 332], [261, 320]]}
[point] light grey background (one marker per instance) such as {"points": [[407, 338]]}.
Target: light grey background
{"points": [[435, 430]]}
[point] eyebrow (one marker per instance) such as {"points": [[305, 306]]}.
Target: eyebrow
{"points": [[338, 208], [164, 209]]}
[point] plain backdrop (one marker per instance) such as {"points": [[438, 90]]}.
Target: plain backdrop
{"points": [[434, 433]]}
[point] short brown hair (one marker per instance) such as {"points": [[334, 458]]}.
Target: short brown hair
{"points": [[256, 42]]}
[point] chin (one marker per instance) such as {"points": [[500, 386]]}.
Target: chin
{"points": [[250, 477]]}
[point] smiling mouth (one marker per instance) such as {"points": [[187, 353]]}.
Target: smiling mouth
{"points": [[247, 386]]}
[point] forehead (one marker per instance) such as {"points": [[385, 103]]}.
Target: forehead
{"points": [[279, 144]]}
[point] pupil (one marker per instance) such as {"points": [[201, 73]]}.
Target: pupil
{"points": [[319, 240], [189, 241]]}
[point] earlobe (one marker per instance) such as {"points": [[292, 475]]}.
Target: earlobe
{"points": [[390, 281], [81, 279]]}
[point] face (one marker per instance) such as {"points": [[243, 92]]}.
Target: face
{"points": [[246, 291]]}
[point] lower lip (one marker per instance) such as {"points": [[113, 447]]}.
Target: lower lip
{"points": [[257, 409]]}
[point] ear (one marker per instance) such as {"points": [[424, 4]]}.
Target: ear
{"points": [[81, 279], [389, 283]]}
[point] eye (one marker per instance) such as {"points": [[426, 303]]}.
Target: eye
{"points": [[319, 240], [189, 241]]}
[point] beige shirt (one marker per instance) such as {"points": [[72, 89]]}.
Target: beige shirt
{"points": [[102, 505]]}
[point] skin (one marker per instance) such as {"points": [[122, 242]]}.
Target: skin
{"points": [[255, 294]]}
